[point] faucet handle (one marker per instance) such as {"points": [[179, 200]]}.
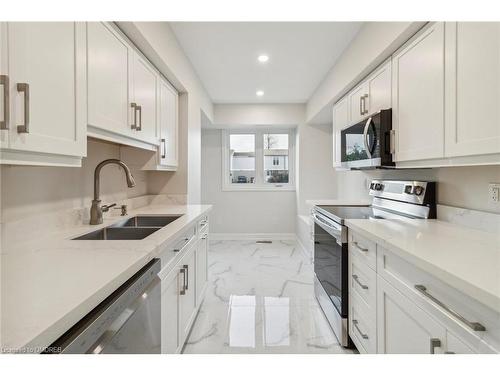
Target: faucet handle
{"points": [[123, 207], [105, 208]]}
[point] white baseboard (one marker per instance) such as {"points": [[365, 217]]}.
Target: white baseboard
{"points": [[253, 236]]}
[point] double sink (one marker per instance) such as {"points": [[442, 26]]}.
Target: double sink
{"points": [[134, 228]]}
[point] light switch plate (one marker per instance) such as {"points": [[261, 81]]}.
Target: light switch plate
{"points": [[494, 193]]}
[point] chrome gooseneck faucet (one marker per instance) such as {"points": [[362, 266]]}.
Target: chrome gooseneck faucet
{"points": [[96, 210]]}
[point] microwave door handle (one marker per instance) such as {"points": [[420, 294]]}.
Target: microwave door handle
{"points": [[365, 137]]}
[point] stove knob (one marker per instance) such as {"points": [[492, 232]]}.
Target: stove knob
{"points": [[372, 186], [377, 187], [409, 189], [419, 190]]}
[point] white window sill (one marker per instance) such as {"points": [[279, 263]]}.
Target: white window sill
{"points": [[243, 187]]}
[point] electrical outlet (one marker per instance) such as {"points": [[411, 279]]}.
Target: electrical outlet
{"points": [[494, 193]]}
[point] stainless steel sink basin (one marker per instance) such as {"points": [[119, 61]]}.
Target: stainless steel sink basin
{"points": [[147, 221], [134, 228], [119, 233]]}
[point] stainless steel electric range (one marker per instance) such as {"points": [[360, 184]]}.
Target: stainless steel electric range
{"points": [[391, 199]]}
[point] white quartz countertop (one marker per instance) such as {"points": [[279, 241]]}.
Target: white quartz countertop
{"points": [[50, 283], [467, 259]]}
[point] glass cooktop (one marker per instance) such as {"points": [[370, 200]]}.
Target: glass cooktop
{"points": [[341, 213]]}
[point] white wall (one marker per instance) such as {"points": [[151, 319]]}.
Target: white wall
{"points": [[374, 43], [157, 41], [27, 191], [238, 212], [234, 115]]}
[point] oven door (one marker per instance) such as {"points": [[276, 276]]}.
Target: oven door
{"points": [[368, 143], [330, 260]]}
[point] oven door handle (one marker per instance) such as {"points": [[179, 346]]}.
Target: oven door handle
{"points": [[329, 227], [365, 138]]}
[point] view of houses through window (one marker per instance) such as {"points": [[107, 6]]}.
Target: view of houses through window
{"points": [[242, 158], [276, 158], [259, 157]]}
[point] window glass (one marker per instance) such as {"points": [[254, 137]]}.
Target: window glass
{"points": [[276, 168], [242, 158]]}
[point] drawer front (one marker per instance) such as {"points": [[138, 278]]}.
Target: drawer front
{"points": [[441, 300], [364, 248], [362, 326], [363, 281]]}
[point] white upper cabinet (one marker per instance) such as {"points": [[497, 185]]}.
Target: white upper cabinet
{"points": [[144, 99], [418, 95], [473, 88], [340, 121], [46, 103], [358, 103], [122, 97], [379, 89], [108, 59], [168, 125]]}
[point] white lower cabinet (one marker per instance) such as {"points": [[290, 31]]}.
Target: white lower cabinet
{"points": [[395, 307], [201, 267], [183, 287], [170, 298], [404, 328]]}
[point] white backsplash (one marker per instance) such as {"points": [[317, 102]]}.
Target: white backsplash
{"points": [[485, 221]]}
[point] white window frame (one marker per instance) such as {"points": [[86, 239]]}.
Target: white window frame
{"points": [[259, 184]]}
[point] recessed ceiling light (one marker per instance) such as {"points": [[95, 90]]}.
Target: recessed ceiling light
{"points": [[259, 93], [263, 58]]}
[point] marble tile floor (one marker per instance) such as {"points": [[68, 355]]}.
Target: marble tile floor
{"points": [[260, 299]]}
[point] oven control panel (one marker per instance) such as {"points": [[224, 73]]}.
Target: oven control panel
{"points": [[418, 192]]}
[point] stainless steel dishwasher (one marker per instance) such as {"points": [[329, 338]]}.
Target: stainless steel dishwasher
{"points": [[127, 322]]}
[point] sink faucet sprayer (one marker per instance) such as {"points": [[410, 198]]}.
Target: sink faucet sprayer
{"points": [[96, 210]]}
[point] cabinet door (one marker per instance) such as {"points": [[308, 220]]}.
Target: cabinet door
{"points": [[108, 59], [473, 88], [145, 81], [168, 124], [188, 292], [456, 346], [379, 89], [170, 288], [47, 74], [418, 96], [201, 268], [358, 103], [340, 120], [403, 327]]}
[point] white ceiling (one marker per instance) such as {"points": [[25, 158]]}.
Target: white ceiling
{"points": [[224, 55]]}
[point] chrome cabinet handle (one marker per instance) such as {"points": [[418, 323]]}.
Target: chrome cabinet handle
{"points": [[183, 290], [164, 148], [365, 111], [435, 343], [4, 80], [472, 325], [186, 267], [361, 105], [205, 236], [392, 141], [356, 278], [185, 241], [139, 108], [359, 247], [134, 124], [363, 335], [25, 88]]}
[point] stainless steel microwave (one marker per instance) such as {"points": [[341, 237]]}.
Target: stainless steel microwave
{"points": [[369, 143]]}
